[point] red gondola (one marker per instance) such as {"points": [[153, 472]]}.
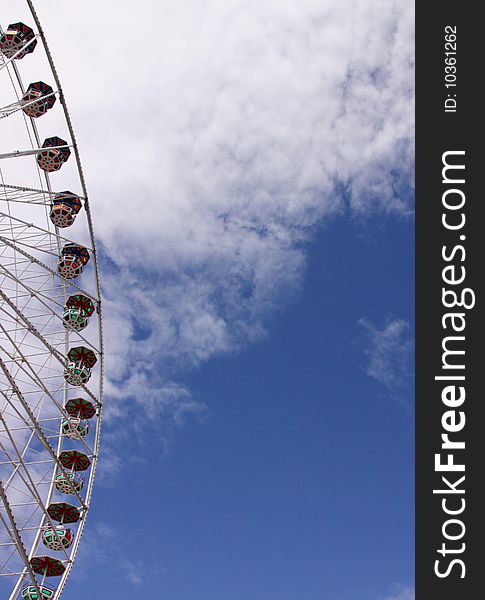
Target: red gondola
{"points": [[85, 304], [64, 209], [14, 39], [72, 260], [77, 312], [63, 512], [48, 566], [83, 355], [75, 460], [52, 159], [81, 408], [38, 91]]}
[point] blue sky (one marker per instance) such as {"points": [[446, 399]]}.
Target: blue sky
{"points": [[297, 483]]}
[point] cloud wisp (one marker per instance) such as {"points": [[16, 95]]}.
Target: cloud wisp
{"points": [[389, 351], [108, 548], [403, 593]]}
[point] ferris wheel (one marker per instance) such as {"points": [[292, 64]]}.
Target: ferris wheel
{"points": [[51, 346]]}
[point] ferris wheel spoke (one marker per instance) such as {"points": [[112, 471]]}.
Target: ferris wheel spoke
{"points": [[31, 485], [29, 230], [35, 260], [60, 412], [16, 193], [29, 489], [10, 109], [5, 62], [33, 330], [16, 477], [39, 433], [32, 378], [53, 351], [24, 294], [18, 540], [32, 151], [46, 300]]}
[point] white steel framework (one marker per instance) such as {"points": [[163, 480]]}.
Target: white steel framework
{"points": [[44, 445]]}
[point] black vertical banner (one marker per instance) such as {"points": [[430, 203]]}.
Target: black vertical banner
{"points": [[450, 253]]}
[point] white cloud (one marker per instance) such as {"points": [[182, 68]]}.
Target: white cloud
{"points": [[216, 137], [107, 548], [403, 593], [389, 351]]}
